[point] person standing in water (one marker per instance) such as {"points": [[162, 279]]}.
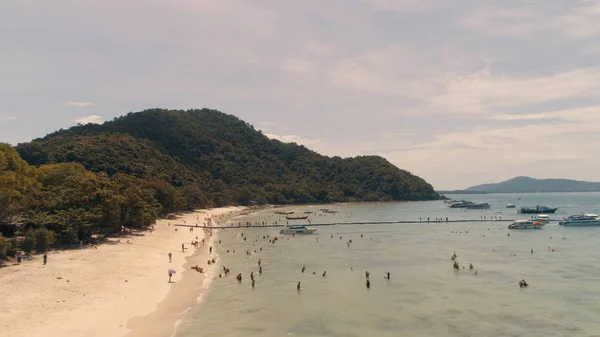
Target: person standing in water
{"points": [[325, 273], [303, 269], [259, 262], [368, 284], [45, 258], [170, 257], [470, 266], [387, 275], [298, 286], [260, 270], [367, 274]]}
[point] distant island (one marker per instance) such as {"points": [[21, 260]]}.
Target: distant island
{"points": [[530, 185]]}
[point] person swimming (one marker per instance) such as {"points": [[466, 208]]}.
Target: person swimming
{"points": [[523, 283], [367, 274]]}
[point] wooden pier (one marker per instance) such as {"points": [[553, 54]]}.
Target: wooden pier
{"points": [[350, 223]]}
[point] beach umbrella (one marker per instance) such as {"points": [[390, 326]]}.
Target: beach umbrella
{"points": [[172, 271]]}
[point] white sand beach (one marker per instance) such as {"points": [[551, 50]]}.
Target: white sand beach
{"points": [[114, 290]]}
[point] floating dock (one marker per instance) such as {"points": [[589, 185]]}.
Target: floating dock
{"points": [[349, 223]]}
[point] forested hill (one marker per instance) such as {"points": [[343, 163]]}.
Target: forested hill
{"points": [[532, 185], [226, 157]]}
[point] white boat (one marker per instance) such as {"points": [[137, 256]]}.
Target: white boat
{"points": [[510, 206], [297, 229], [285, 212], [484, 205], [581, 220], [526, 224], [543, 218], [461, 204]]}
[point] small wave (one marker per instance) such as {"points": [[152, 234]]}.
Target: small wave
{"points": [[211, 272]]}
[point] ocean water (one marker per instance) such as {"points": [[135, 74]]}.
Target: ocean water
{"points": [[425, 295]]}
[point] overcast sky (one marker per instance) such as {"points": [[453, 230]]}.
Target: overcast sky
{"points": [[459, 92]]}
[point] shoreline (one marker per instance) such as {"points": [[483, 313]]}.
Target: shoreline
{"points": [[182, 297], [98, 292]]}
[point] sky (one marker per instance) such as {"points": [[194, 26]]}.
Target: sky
{"points": [[459, 92]]}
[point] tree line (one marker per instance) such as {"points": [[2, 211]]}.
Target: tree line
{"points": [[93, 178]]}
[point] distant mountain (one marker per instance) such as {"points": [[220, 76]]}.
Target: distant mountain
{"points": [[532, 185]]}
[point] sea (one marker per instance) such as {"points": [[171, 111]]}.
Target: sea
{"points": [[424, 296]]}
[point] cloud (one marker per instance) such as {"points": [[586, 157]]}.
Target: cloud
{"points": [[399, 5], [403, 70], [581, 20], [505, 22], [485, 93], [6, 117], [93, 119], [79, 104], [493, 153], [308, 142], [296, 66]]}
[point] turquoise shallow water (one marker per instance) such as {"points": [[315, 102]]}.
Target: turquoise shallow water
{"points": [[425, 296]]}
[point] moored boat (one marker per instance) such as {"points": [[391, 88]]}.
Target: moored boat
{"points": [[297, 229], [537, 209], [510, 206], [300, 217], [284, 212], [526, 224], [461, 204], [483, 205], [543, 218], [581, 220]]}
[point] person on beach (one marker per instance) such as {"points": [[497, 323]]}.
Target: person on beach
{"points": [[368, 284], [170, 257], [183, 247], [210, 250], [170, 275], [45, 258], [298, 286]]}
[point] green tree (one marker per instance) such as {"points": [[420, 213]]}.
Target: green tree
{"points": [[5, 246], [43, 239], [18, 184], [29, 243]]}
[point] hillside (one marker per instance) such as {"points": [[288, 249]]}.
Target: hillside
{"points": [[531, 185], [226, 157]]}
